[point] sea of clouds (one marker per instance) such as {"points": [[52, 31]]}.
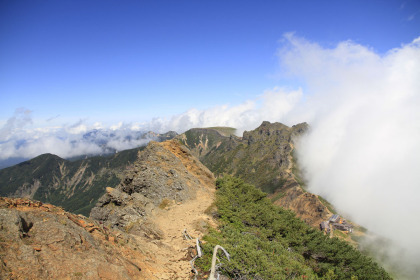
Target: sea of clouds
{"points": [[66, 141], [362, 152]]}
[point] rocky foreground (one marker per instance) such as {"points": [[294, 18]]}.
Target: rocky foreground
{"points": [[41, 241], [137, 233]]}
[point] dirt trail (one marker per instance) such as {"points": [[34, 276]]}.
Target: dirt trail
{"points": [[170, 260]]}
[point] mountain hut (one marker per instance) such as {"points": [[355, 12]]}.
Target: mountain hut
{"points": [[334, 218]]}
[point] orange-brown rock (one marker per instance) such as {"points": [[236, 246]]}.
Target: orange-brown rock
{"points": [[37, 242], [307, 206]]}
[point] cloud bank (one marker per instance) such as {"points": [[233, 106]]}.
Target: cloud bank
{"points": [[363, 150], [80, 138], [273, 105]]}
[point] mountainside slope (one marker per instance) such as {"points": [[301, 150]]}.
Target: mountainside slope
{"points": [[74, 185], [262, 157], [269, 242]]}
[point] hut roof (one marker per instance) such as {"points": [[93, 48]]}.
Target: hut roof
{"points": [[334, 218]]}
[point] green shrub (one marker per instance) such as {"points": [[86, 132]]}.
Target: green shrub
{"points": [[268, 242]]}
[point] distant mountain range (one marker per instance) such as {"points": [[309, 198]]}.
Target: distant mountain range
{"points": [[107, 142], [74, 185]]}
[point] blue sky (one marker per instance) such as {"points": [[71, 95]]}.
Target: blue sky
{"points": [[113, 61]]}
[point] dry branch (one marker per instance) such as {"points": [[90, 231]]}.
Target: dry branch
{"points": [[213, 261], [199, 254], [186, 235]]}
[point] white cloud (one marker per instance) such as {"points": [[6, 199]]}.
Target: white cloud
{"points": [[77, 128], [272, 105], [97, 125], [65, 141], [120, 145], [363, 151], [78, 138], [116, 126], [413, 16], [20, 119]]}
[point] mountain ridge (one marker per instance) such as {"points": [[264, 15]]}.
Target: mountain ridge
{"points": [[262, 157]]}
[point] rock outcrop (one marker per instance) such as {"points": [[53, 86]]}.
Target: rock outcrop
{"points": [[201, 141], [307, 206], [164, 173], [41, 241]]}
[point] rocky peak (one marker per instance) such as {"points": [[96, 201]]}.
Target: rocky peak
{"points": [[300, 128], [266, 131], [201, 140], [160, 136], [307, 206]]}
